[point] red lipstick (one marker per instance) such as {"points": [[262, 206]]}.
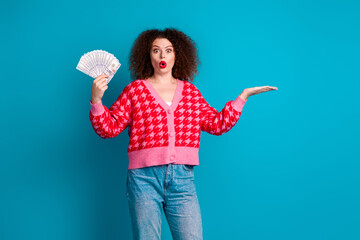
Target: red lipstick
{"points": [[162, 64]]}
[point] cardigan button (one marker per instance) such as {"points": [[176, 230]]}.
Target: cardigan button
{"points": [[172, 157], [169, 111], [171, 134]]}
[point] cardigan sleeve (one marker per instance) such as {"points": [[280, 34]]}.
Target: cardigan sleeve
{"points": [[110, 122], [218, 123]]}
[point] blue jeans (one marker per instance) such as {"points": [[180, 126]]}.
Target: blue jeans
{"points": [[169, 187]]}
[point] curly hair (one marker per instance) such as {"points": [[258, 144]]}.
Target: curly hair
{"points": [[186, 56]]}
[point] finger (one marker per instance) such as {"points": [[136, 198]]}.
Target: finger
{"points": [[100, 84], [103, 83], [100, 77], [103, 89], [263, 89], [269, 88], [97, 80]]}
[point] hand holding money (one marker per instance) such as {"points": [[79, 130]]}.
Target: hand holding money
{"points": [[98, 88]]}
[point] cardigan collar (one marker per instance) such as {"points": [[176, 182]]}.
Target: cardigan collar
{"points": [[159, 100]]}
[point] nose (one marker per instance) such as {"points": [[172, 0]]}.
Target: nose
{"points": [[162, 55]]}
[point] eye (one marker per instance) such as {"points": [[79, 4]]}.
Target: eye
{"points": [[169, 50], [155, 50]]}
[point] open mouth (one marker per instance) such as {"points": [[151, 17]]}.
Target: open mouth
{"points": [[162, 64]]}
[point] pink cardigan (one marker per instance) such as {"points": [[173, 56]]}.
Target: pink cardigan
{"points": [[159, 133]]}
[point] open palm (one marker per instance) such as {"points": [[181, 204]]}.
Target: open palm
{"points": [[256, 90]]}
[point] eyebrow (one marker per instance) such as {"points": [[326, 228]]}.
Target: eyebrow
{"points": [[165, 47]]}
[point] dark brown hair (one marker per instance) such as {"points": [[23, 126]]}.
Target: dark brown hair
{"points": [[186, 57]]}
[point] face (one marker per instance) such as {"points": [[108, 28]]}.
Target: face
{"points": [[162, 55]]}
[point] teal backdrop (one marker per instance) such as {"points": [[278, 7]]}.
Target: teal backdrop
{"points": [[289, 169]]}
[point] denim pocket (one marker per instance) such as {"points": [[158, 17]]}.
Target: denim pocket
{"points": [[188, 167]]}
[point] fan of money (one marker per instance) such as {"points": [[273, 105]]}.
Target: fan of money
{"points": [[98, 62]]}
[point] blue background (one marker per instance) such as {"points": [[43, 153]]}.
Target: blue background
{"points": [[289, 169]]}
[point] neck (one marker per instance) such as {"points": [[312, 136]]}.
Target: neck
{"points": [[165, 78]]}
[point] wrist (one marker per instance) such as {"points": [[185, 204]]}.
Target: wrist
{"points": [[95, 101], [243, 96]]}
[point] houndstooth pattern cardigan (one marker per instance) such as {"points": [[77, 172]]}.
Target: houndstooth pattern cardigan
{"points": [[159, 133]]}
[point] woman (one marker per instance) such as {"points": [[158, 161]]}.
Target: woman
{"points": [[165, 113]]}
